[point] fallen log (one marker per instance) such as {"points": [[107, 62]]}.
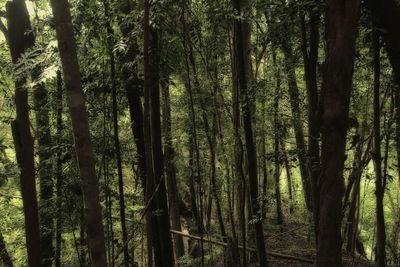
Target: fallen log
{"points": [[219, 243]]}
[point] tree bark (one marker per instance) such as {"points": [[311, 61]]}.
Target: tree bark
{"points": [[81, 131], [18, 24], [169, 158], [110, 46], [59, 172], [341, 28], [241, 55], [379, 187], [309, 47], [294, 97], [164, 254]]}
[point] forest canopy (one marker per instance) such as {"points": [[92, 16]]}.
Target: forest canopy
{"points": [[199, 133]]}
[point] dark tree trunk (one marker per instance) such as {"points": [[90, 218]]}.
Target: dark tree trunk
{"points": [[80, 125], [59, 172], [4, 256], [169, 158], [288, 176], [164, 254], [341, 28], [309, 47], [43, 136], [294, 97], [277, 137], [240, 55], [18, 24], [110, 46], [379, 187]]}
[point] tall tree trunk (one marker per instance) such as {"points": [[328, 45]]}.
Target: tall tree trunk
{"points": [[164, 255], [44, 141], [241, 57], [80, 125], [379, 187], [294, 97], [277, 137], [341, 28], [309, 47], [18, 24], [59, 172], [110, 46], [169, 158], [4, 256]]}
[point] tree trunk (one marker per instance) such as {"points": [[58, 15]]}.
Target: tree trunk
{"points": [[341, 28], [310, 58], [169, 158], [277, 133], [110, 46], [289, 63], [288, 177], [18, 24], [44, 141], [59, 172], [4, 256], [80, 125], [379, 188], [241, 57], [165, 255]]}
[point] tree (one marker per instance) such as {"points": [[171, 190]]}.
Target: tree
{"points": [[18, 24], [240, 66], [341, 29], [81, 132]]}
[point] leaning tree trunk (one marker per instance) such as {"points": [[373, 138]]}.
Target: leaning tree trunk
{"points": [[81, 132], [241, 71], [341, 28], [18, 24]]}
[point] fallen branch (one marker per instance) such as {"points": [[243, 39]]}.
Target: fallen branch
{"points": [[273, 254]]}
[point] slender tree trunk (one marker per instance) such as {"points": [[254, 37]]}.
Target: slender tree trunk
{"points": [[110, 46], [294, 97], [4, 256], [18, 24], [277, 130], [80, 125], [240, 66], [379, 188], [46, 206], [288, 177], [59, 172], [309, 47], [169, 158]]}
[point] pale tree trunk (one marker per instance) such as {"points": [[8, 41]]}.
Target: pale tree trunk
{"points": [[81, 131]]}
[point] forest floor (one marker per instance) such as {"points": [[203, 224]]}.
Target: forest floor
{"points": [[294, 240]]}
